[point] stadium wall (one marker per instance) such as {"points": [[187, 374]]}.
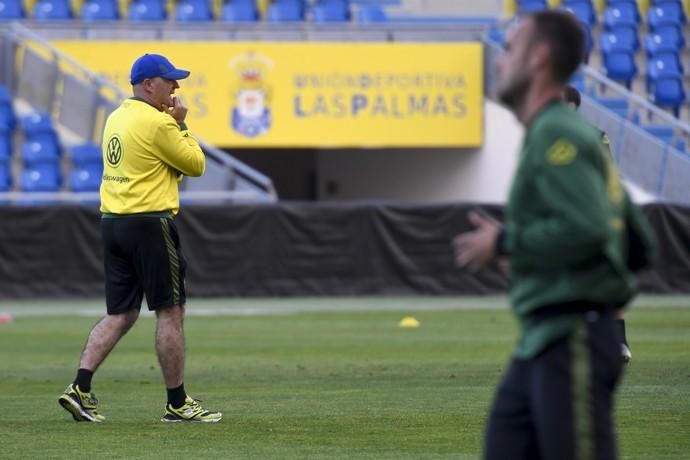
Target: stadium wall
{"points": [[427, 175], [481, 175], [292, 250]]}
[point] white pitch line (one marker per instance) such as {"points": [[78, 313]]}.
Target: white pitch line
{"points": [[289, 305]]}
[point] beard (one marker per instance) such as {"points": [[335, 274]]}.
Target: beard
{"points": [[513, 94]]}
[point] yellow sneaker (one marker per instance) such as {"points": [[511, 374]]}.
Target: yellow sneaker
{"points": [[81, 405], [191, 411]]}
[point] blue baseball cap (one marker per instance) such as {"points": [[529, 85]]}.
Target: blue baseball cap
{"points": [[155, 65]]}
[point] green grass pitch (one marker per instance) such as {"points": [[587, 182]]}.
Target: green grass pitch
{"points": [[344, 383]]}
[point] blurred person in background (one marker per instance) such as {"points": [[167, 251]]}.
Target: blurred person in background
{"points": [[571, 96]]}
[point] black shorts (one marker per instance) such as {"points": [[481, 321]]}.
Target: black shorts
{"points": [[558, 405], [142, 256]]}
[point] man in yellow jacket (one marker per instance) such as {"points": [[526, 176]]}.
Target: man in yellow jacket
{"points": [[147, 149]]}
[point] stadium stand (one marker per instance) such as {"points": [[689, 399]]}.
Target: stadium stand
{"points": [[240, 11], [62, 109], [650, 144], [638, 45]]}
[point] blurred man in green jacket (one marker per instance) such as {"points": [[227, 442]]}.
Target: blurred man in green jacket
{"points": [[573, 239]]}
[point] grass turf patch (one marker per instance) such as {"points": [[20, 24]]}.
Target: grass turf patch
{"points": [[317, 385]]}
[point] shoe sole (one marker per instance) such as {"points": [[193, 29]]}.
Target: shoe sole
{"points": [[190, 421], [71, 406]]}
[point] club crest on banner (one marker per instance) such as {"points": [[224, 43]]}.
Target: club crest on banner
{"points": [[251, 95]]}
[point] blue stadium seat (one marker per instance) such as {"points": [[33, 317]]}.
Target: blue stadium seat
{"points": [[578, 81], [621, 15], [86, 179], [5, 177], [665, 39], [242, 11], [343, 5], [5, 145], [99, 10], [620, 66], [584, 11], [285, 12], [40, 152], [495, 34], [147, 10], [50, 10], [42, 178], [37, 122], [372, 14], [668, 92], [618, 105], [7, 117], [531, 6], [193, 11], [38, 128], [5, 95], [301, 5], [620, 38], [663, 65], [86, 154], [665, 14], [589, 40], [330, 12], [661, 132], [11, 9]]}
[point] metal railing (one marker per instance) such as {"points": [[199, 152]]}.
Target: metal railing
{"points": [[640, 110], [93, 198], [656, 165], [456, 29]]}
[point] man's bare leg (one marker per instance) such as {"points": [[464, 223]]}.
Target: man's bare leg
{"points": [[78, 399], [103, 338], [171, 352], [170, 344]]}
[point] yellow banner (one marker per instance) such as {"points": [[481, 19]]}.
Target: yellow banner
{"points": [[315, 94]]}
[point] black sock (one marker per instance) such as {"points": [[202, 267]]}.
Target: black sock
{"points": [[176, 396], [83, 380], [620, 325]]}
